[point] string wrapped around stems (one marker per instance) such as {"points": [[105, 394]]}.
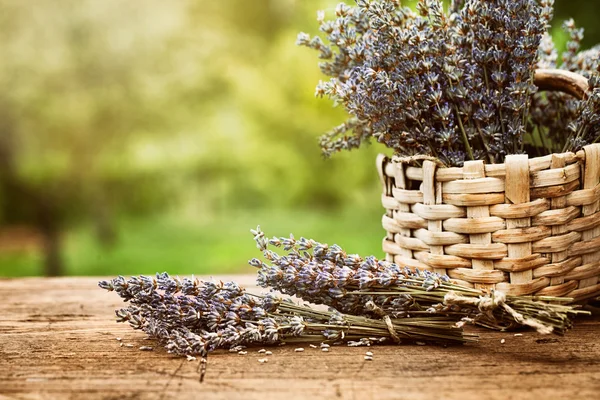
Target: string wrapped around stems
{"points": [[323, 274]]}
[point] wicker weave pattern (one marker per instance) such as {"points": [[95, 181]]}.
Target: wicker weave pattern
{"points": [[528, 226]]}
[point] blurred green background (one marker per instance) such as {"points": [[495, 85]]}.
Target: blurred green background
{"points": [[142, 136]]}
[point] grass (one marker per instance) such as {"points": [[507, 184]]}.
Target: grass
{"points": [[216, 244]]}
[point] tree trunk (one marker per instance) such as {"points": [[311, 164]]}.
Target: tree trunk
{"points": [[106, 231], [53, 263], [48, 222], [24, 203]]}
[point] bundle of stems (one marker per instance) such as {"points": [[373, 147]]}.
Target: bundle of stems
{"points": [[324, 274], [194, 317]]}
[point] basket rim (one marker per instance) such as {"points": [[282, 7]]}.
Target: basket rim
{"points": [[569, 156], [386, 165]]}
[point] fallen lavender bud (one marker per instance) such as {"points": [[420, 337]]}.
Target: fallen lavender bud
{"points": [[362, 342]]}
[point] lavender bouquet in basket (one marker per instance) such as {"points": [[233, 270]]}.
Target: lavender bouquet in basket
{"points": [[453, 85], [456, 84]]}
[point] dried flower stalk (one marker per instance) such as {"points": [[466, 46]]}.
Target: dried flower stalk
{"points": [[456, 85], [560, 122], [193, 317], [324, 274]]}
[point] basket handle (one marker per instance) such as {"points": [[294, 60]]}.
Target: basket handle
{"points": [[562, 81]]}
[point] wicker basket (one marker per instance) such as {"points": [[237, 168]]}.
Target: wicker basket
{"points": [[525, 227]]}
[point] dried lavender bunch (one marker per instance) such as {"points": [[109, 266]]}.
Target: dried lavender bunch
{"points": [[193, 317], [455, 85], [167, 308], [503, 38], [560, 122], [324, 274]]}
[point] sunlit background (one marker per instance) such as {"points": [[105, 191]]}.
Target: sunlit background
{"points": [[149, 135]]}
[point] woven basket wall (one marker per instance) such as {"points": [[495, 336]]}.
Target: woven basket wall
{"points": [[525, 227]]}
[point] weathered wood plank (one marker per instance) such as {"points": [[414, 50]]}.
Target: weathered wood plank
{"points": [[58, 340]]}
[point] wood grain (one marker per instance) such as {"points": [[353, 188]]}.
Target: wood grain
{"points": [[562, 81], [517, 192], [58, 341], [432, 195], [475, 171]]}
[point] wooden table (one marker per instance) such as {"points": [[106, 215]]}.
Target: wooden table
{"points": [[58, 339]]}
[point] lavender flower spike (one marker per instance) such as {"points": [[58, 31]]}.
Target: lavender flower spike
{"points": [[324, 274]]}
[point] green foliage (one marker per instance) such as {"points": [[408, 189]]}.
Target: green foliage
{"points": [[114, 115], [204, 245]]}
